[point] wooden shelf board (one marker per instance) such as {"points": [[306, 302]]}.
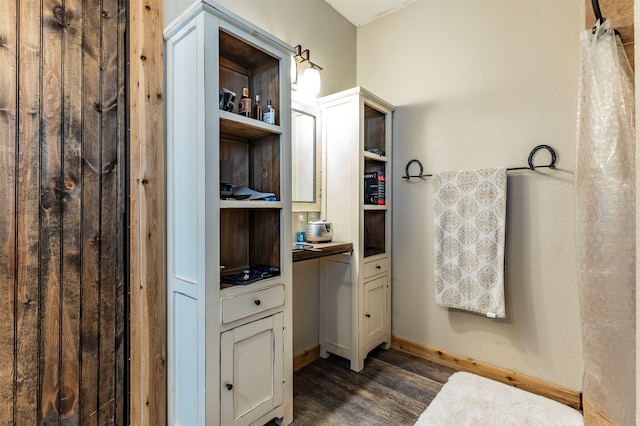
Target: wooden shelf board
{"points": [[245, 127], [250, 204], [322, 250]]}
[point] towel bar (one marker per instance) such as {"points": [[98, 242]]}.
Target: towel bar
{"points": [[551, 165]]}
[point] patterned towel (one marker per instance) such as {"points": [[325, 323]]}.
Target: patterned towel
{"points": [[469, 218]]}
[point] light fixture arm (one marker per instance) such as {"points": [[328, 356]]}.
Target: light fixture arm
{"points": [[302, 56]]}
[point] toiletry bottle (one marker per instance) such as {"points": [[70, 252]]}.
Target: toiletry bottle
{"points": [[301, 236], [257, 109], [245, 103], [269, 115]]}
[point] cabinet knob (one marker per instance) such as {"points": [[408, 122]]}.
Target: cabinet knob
{"points": [[257, 302], [229, 386], [367, 315], [378, 267]]}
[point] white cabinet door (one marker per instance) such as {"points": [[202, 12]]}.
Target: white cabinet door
{"points": [[336, 335], [375, 301], [251, 370]]}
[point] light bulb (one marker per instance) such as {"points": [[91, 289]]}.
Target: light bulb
{"points": [[311, 80]]}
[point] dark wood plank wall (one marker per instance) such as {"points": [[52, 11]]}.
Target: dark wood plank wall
{"points": [[62, 229]]}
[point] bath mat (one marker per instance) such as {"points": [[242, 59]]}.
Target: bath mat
{"points": [[468, 399]]}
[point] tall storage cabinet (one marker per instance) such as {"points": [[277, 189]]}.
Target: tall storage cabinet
{"points": [[355, 291], [229, 330]]}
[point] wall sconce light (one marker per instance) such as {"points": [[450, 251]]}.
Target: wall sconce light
{"points": [[305, 75]]}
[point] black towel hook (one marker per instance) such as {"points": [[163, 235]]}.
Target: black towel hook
{"points": [[533, 152], [406, 169]]}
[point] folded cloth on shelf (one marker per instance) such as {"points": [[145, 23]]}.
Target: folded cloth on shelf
{"points": [[244, 192], [469, 220]]}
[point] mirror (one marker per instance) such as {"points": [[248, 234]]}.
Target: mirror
{"points": [[303, 153]]}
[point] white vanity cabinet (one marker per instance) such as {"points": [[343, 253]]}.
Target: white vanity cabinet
{"points": [[229, 351], [355, 291], [252, 370]]}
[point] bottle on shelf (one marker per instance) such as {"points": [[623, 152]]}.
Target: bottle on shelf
{"points": [[245, 103], [301, 235], [257, 109], [269, 115]]}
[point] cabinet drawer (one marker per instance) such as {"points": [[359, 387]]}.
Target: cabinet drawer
{"points": [[237, 307], [376, 267]]}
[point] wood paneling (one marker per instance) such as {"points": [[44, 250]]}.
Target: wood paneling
{"points": [[8, 246], [147, 217], [62, 263]]}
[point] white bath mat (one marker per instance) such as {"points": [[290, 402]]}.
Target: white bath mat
{"points": [[468, 399]]}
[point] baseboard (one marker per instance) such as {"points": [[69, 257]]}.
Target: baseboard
{"points": [[593, 417], [306, 358], [549, 390]]}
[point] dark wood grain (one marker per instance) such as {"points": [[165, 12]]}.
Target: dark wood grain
{"points": [[374, 232], [8, 129], [91, 230], [51, 182], [323, 250], [265, 244], [374, 128], [264, 165], [62, 215], [393, 389], [70, 192], [112, 174], [117, 11], [28, 190]]}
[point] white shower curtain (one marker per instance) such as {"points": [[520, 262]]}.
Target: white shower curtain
{"points": [[605, 206]]}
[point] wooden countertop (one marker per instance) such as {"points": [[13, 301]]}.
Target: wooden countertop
{"points": [[321, 250]]}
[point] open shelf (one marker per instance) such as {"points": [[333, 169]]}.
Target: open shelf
{"points": [[374, 131], [374, 232], [255, 163], [249, 238], [243, 65]]}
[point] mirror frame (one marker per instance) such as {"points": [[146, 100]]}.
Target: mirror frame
{"points": [[310, 206]]}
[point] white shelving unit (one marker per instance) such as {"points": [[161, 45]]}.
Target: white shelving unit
{"points": [[229, 346], [355, 291]]}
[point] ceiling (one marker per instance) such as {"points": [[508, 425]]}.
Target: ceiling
{"points": [[361, 12]]}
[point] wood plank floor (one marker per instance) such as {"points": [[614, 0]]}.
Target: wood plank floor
{"points": [[393, 389]]}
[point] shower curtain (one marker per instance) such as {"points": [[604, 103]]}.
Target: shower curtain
{"points": [[605, 219]]}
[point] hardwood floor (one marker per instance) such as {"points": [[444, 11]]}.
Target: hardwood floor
{"points": [[393, 389]]}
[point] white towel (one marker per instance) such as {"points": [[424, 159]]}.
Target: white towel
{"points": [[469, 218]]}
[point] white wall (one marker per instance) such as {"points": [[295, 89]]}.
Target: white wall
{"points": [[478, 84], [314, 24]]}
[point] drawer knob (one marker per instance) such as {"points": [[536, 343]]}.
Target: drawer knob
{"points": [[367, 315], [378, 267], [257, 302], [229, 386]]}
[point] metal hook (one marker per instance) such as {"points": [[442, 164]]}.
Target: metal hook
{"points": [[406, 170], [551, 165]]}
